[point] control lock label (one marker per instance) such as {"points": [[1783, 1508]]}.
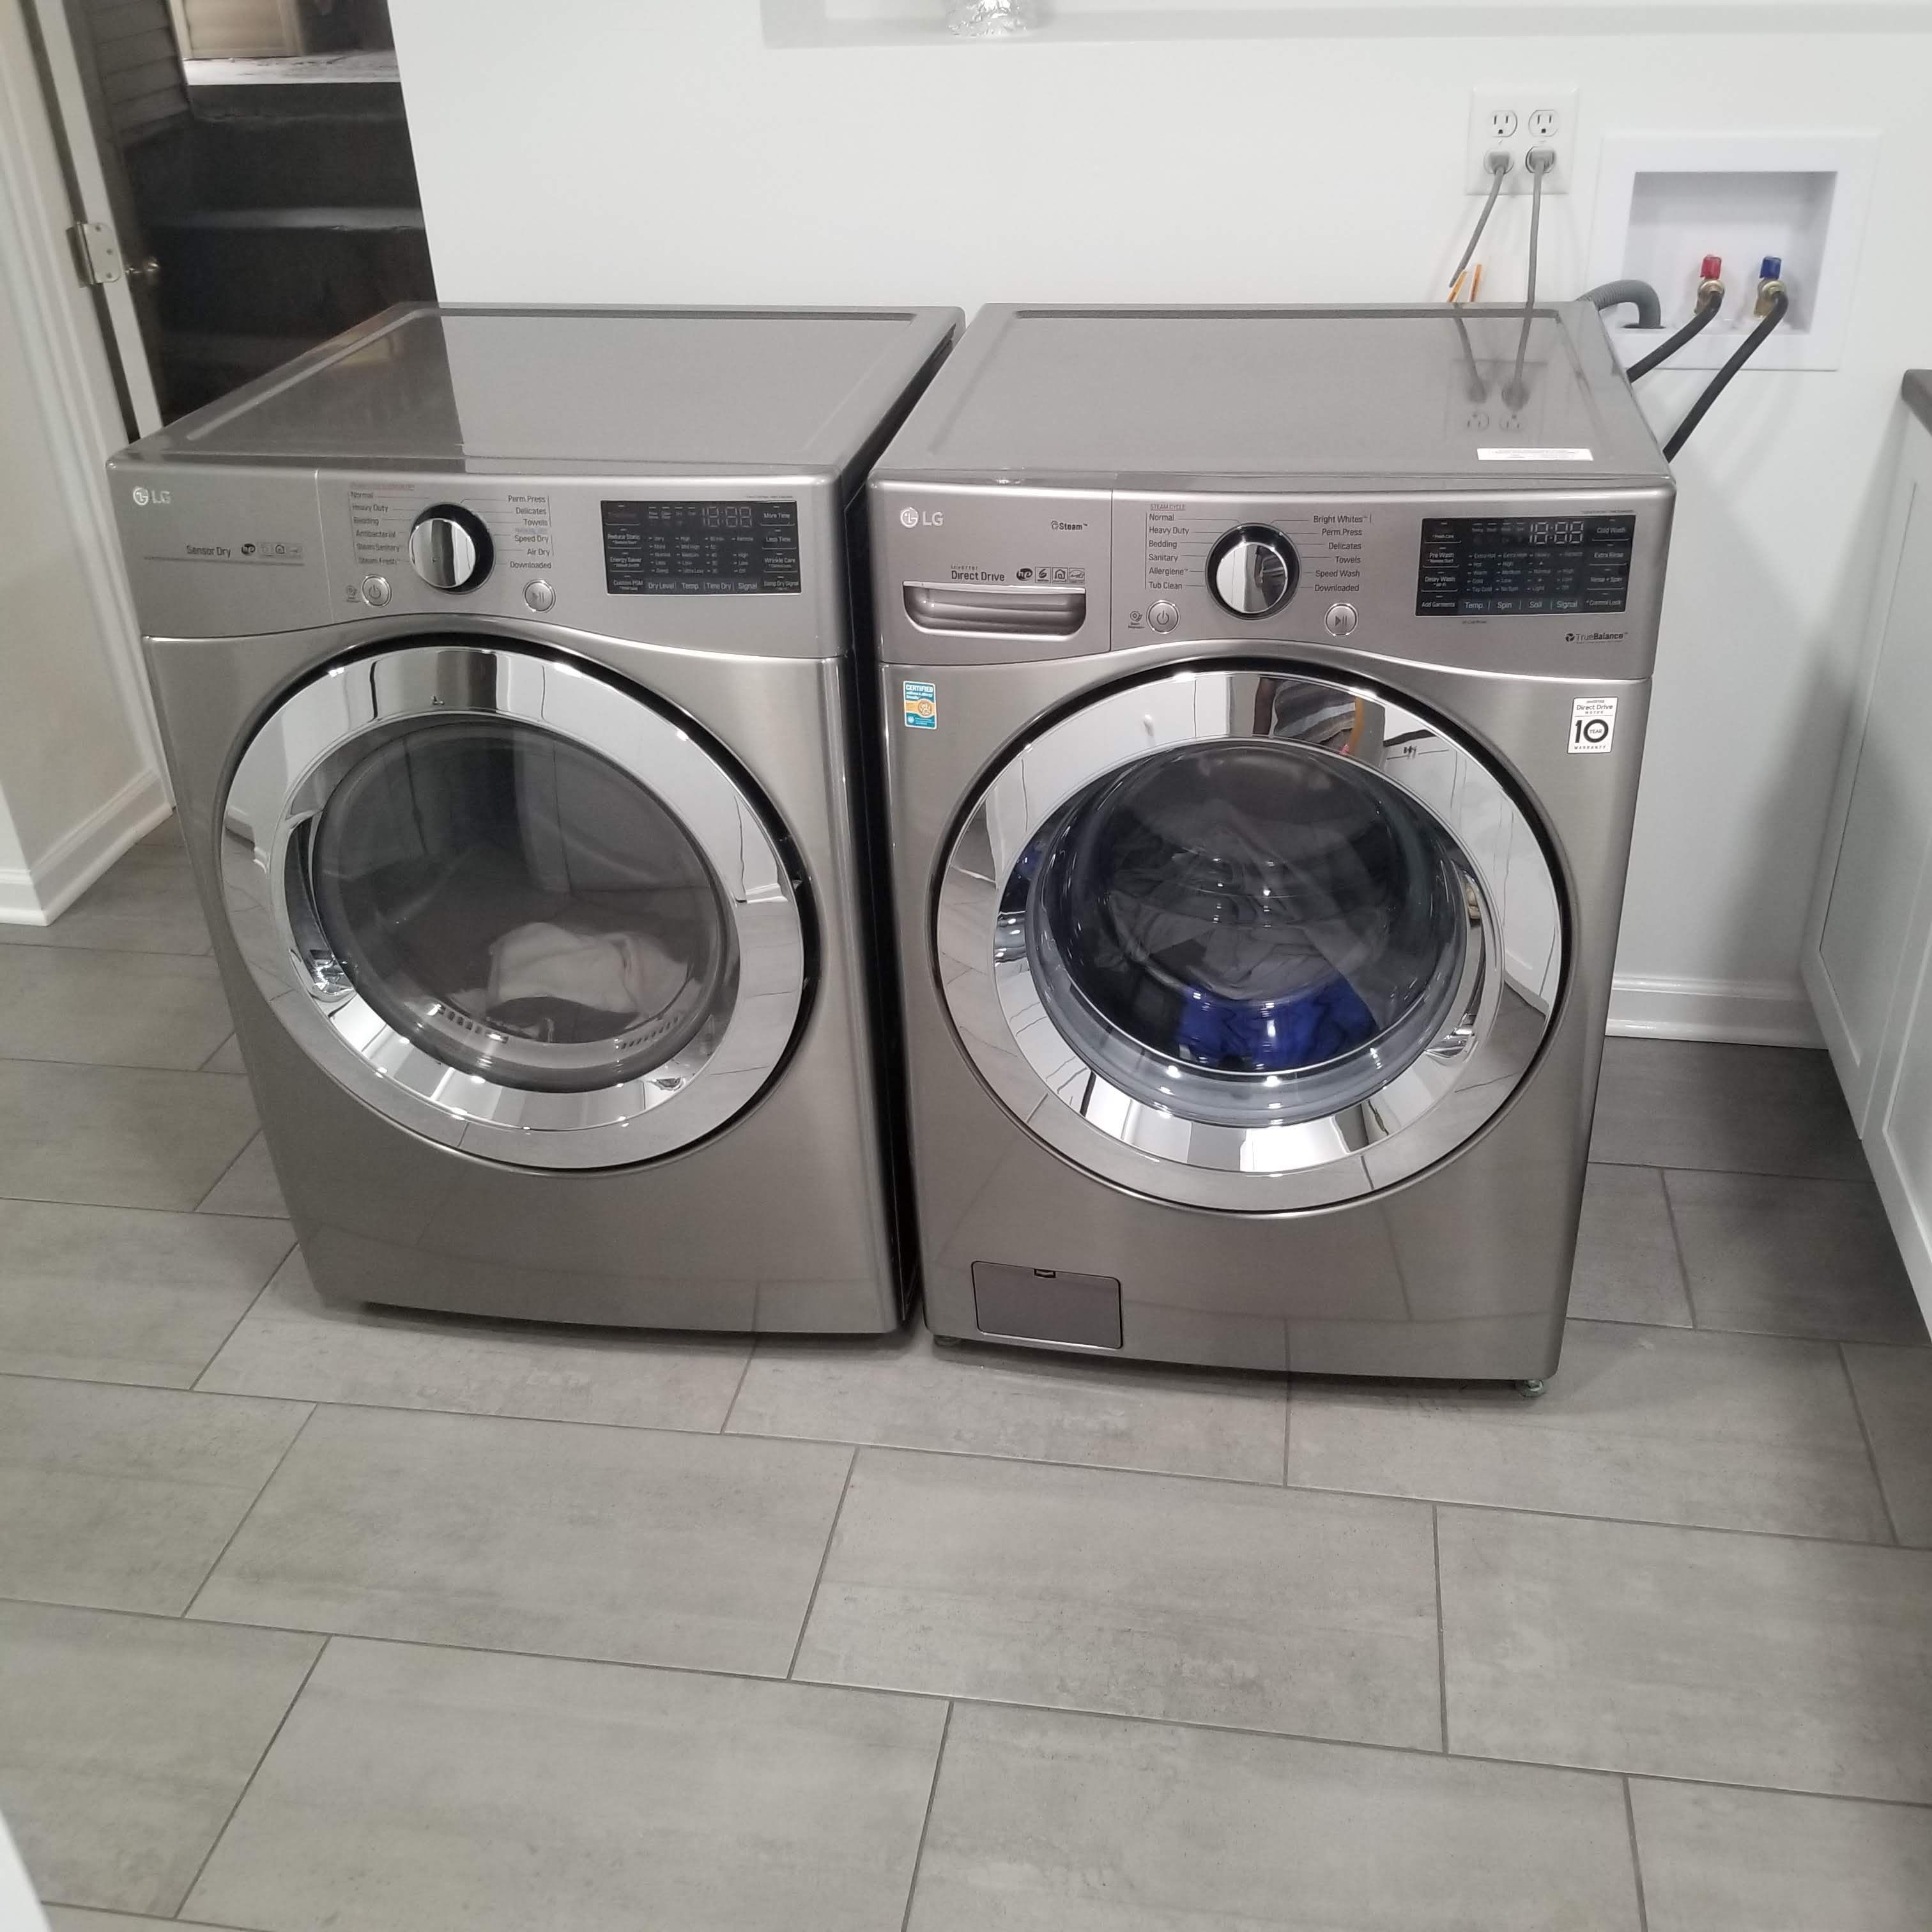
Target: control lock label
{"points": [[922, 706]]}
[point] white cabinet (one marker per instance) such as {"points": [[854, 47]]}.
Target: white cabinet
{"points": [[1868, 949]]}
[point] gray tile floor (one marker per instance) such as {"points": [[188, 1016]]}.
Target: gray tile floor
{"points": [[376, 1622]]}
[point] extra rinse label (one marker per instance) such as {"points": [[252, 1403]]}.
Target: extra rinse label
{"points": [[922, 706]]}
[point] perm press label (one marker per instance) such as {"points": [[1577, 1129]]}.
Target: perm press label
{"points": [[1593, 724], [922, 706]]}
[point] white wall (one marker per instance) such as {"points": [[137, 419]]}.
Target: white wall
{"points": [[79, 776], [665, 150]]}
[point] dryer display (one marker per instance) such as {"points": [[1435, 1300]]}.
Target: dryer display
{"points": [[701, 549]]}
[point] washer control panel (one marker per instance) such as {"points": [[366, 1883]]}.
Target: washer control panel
{"points": [[1522, 566]]}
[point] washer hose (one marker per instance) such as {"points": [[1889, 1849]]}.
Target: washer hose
{"points": [[1745, 350], [1640, 295], [1706, 314]]}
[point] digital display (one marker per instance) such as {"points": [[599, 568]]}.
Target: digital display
{"points": [[691, 549], [1505, 566]]}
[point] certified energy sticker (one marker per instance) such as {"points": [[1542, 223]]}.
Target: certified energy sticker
{"points": [[1593, 724], [922, 706]]}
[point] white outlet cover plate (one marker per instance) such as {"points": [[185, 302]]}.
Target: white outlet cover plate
{"points": [[1522, 102]]}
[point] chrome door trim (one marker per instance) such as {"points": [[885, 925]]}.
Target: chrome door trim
{"points": [[1503, 1004], [302, 751]]}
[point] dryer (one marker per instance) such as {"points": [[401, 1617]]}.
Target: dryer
{"points": [[503, 659], [1265, 697]]}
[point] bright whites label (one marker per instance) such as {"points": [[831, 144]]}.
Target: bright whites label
{"points": [[922, 706], [1593, 724]]}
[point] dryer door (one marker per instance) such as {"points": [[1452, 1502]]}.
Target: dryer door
{"points": [[511, 905], [1248, 940]]}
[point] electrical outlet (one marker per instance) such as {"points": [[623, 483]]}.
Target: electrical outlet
{"points": [[1515, 119]]}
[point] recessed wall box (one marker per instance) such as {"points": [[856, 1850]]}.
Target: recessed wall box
{"points": [[1664, 202]]}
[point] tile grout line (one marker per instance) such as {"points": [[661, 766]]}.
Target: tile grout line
{"points": [[738, 1388], [248, 1783], [925, 1822], [1677, 1244], [228, 1041], [1428, 1753], [824, 1557], [1871, 1451], [1860, 1180], [254, 1302], [112, 1066], [1637, 1857], [228, 1542], [1268, 1487], [1441, 1636], [234, 1164]]}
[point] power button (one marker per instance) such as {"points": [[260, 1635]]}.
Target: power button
{"points": [[1163, 616]]}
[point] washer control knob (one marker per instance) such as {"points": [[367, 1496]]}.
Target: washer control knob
{"points": [[376, 591], [450, 548], [540, 595], [1253, 571], [1163, 616], [1341, 620]]}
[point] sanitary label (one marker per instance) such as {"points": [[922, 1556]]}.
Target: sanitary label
{"points": [[1593, 724], [922, 706]]}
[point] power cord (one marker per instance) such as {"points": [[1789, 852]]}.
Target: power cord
{"points": [[1774, 314], [1539, 161], [1499, 163]]}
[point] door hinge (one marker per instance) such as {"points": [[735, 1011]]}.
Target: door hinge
{"points": [[96, 255]]}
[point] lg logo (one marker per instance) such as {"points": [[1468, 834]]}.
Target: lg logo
{"points": [[932, 519], [143, 496]]}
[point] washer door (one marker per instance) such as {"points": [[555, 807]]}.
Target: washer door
{"points": [[1250, 940], [513, 906]]}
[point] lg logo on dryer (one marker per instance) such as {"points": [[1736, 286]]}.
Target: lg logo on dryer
{"points": [[912, 518], [143, 496]]}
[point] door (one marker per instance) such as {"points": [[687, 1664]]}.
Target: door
{"points": [[512, 906], [1248, 940]]}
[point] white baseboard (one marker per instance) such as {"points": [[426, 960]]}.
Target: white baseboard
{"points": [[1754, 1013], [37, 895]]}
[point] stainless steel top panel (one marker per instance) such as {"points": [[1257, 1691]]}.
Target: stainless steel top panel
{"points": [[495, 389], [1400, 398]]}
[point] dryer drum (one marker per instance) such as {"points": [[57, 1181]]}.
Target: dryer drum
{"points": [[1250, 940], [513, 906]]}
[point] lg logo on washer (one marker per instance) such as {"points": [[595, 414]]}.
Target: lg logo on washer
{"points": [[143, 496], [932, 519]]}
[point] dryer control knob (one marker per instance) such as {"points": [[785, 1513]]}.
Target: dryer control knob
{"points": [[1253, 571], [450, 548]]}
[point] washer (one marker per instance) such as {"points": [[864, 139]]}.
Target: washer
{"points": [[503, 661], [1265, 694]]}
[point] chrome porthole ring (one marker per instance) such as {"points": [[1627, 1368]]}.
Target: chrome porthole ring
{"points": [[680, 1073], [1451, 1036]]}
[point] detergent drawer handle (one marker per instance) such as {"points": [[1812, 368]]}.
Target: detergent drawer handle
{"points": [[1008, 609]]}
